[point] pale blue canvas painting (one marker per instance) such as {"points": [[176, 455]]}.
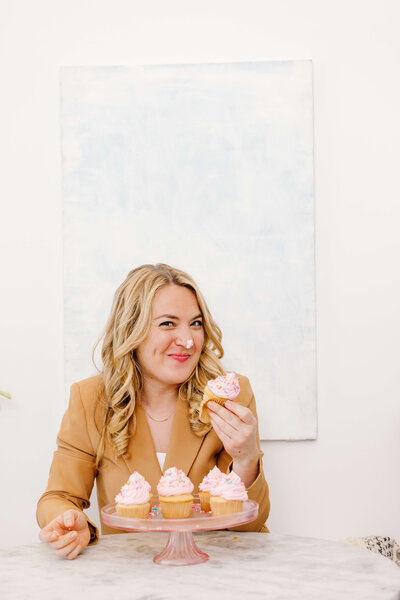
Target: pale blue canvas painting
{"points": [[208, 168]]}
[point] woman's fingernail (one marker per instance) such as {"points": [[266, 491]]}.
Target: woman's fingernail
{"points": [[74, 533]]}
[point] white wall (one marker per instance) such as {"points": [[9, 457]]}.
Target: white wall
{"points": [[345, 483]]}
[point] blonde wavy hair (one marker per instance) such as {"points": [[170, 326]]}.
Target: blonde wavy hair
{"points": [[128, 325]]}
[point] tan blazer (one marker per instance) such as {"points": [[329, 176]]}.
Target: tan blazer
{"points": [[73, 470]]}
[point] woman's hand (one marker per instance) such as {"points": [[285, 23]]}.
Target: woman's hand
{"points": [[236, 427], [68, 534]]}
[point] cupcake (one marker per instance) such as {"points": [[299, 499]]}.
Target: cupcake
{"points": [[207, 486], [134, 499], [174, 492], [220, 389], [228, 495]]}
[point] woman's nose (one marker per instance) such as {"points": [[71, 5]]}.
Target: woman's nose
{"points": [[185, 339]]}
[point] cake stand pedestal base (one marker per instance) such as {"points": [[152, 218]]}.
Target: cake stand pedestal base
{"points": [[180, 550]]}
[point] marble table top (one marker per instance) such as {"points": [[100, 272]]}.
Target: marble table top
{"points": [[241, 565]]}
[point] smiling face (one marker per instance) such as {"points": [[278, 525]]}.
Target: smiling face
{"points": [[172, 348]]}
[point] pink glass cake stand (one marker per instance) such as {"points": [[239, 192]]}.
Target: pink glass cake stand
{"points": [[181, 548]]}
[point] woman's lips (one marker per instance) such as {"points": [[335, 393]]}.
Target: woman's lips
{"points": [[179, 357]]}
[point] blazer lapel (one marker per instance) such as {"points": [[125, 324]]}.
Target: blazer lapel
{"points": [[142, 455], [183, 445]]}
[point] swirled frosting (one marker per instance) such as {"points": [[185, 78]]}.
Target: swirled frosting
{"points": [[211, 480], [231, 487], [138, 480], [135, 491], [174, 482], [225, 386]]}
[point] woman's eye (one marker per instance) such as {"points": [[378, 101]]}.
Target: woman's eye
{"points": [[167, 324], [197, 323]]}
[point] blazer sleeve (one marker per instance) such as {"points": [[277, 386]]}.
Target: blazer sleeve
{"points": [[258, 490], [73, 468]]}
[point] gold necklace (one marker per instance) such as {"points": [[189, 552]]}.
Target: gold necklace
{"points": [[158, 420]]}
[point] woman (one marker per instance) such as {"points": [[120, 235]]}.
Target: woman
{"points": [[160, 347]]}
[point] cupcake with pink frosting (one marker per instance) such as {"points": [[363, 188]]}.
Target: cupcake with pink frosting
{"points": [[175, 494], [208, 486], [228, 495], [134, 499], [222, 388]]}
